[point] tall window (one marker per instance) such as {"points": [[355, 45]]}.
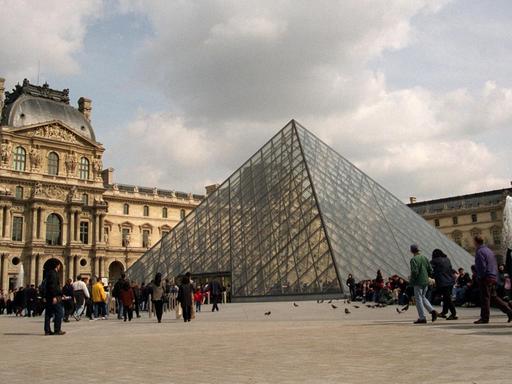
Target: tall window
{"points": [[85, 199], [474, 218], [126, 209], [146, 210], [84, 168], [20, 158], [494, 215], [17, 228], [19, 192], [164, 213], [53, 230], [436, 222], [455, 220], [496, 236], [126, 237], [164, 233], [53, 163], [182, 214], [84, 232], [145, 238]]}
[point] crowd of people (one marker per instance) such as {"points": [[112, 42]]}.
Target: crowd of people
{"points": [[431, 282], [435, 282]]}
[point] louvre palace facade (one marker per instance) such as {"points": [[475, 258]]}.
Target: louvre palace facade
{"points": [[57, 201]]}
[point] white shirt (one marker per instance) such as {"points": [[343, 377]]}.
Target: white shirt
{"points": [[79, 285]]}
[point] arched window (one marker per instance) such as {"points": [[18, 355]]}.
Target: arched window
{"points": [[182, 214], [53, 230], [53, 164], [20, 158], [164, 213], [84, 168], [146, 210], [126, 209]]}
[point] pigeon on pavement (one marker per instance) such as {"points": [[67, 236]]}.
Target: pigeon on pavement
{"points": [[333, 306], [268, 313], [347, 312]]}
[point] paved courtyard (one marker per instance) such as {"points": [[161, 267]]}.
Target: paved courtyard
{"points": [[311, 343]]}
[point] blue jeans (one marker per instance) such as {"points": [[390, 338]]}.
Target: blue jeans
{"points": [[99, 309], [57, 312], [120, 308], [422, 301]]}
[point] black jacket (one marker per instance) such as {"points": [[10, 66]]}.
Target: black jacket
{"points": [[443, 272], [185, 294], [52, 284]]}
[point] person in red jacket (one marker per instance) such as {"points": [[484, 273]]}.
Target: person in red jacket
{"points": [[127, 298], [198, 299]]}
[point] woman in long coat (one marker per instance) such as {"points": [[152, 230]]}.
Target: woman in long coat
{"points": [[185, 294]]}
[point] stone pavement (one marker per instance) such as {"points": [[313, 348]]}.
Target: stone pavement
{"points": [[312, 343]]}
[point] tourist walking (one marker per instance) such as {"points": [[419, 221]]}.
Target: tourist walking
{"points": [[158, 293], [127, 298], [52, 295], [215, 294], [185, 293], [351, 284], [116, 292], [99, 300], [420, 272], [443, 275], [80, 292], [487, 271], [68, 300]]}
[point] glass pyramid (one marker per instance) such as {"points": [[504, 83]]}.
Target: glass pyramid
{"points": [[295, 219]]}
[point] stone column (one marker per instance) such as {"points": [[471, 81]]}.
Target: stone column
{"points": [[97, 266], [71, 267], [5, 275], [77, 226], [42, 232], [100, 228], [65, 235], [32, 269], [34, 224], [1, 221], [38, 274], [7, 221], [71, 226]]}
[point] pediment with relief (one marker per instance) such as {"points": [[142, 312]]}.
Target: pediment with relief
{"points": [[55, 130]]}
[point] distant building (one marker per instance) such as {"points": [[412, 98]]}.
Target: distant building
{"points": [[462, 217], [58, 202]]}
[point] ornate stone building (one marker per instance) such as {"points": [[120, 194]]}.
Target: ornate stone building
{"points": [[57, 201], [462, 217]]}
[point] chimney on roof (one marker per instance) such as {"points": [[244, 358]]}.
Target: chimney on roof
{"points": [[211, 188], [108, 176], [2, 90], [412, 199], [85, 107]]}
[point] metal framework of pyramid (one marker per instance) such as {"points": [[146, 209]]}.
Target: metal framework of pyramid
{"points": [[295, 219]]}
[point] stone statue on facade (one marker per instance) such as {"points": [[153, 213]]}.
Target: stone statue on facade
{"points": [[71, 161], [37, 190], [97, 167], [35, 158], [6, 153]]}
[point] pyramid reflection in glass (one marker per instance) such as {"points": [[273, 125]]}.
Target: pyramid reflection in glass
{"points": [[295, 219]]}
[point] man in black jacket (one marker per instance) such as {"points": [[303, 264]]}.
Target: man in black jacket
{"points": [[53, 297]]}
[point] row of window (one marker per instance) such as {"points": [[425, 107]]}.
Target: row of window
{"points": [[474, 219], [20, 163], [145, 211], [495, 233], [54, 232]]}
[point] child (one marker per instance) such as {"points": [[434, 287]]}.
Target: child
{"points": [[126, 296], [198, 299]]}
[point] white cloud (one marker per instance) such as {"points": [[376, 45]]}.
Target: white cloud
{"points": [[50, 32]]}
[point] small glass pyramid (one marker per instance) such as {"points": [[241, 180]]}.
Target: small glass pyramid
{"points": [[295, 219]]}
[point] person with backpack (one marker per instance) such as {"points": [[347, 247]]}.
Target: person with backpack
{"points": [[157, 295], [127, 298], [420, 272], [50, 288], [443, 274]]}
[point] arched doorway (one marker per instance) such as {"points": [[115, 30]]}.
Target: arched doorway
{"points": [[114, 271], [51, 262]]}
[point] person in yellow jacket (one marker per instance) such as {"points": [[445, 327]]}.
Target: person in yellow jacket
{"points": [[99, 299]]}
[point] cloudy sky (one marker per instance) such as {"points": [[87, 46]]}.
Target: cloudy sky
{"points": [[416, 93]]}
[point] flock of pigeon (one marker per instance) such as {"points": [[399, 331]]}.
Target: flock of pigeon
{"points": [[347, 311]]}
